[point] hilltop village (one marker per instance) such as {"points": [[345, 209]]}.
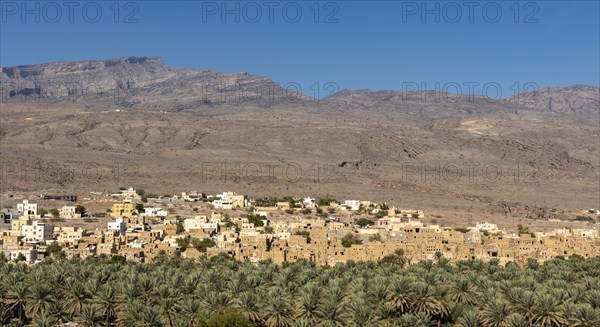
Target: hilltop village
{"points": [[134, 226]]}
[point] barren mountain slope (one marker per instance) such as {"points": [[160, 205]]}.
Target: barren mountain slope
{"points": [[467, 160], [576, 99]]}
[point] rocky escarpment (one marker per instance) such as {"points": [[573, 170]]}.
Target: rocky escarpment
{"points": [[147, 83], [138, 82], [576, 99]]}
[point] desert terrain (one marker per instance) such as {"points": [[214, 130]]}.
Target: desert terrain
{"points": [[524, 159]]}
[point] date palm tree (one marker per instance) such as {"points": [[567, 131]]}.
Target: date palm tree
{"points": [[38, 300], [424, 300], [400, 294], [190, 309], [237, 285], [593, 298], [247, 304], [517, 320], [130, 314], [408, 320], [147, 288], [89, 316], [57, 310], [107, 302], [378, 290], [76, 297], [301, 322], [178, 292], [361, 313], [307, 307], [548, 312], [462, 292], [5, 315], [332, 312], [523, 302], [168, 309], [151, 318], [420, 319], [468, 319], [384, 314], [44, 319], [585, 316], [93, 286], [17, 298], [277, 311], [130, 291], [216, 302], [495, 313]]}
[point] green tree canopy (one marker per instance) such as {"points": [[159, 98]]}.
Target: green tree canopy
{"points": [[55, 213], [222, 291], [326, 201], [80, 210], [54, 249], [256, 219], [363, 222], [202, 245], [349, 239], [139, 207]]}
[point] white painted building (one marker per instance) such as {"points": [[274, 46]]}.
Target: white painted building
{"points": [[351, 205], [591, 233], [29, 254], [136, 244], [222, 204], [479, 227], [155, 212], [188, 197], [201, 222], [37, 232], [27, 209], [309, 202], [236, 200], [130, 193], [261, 213], [118, 225]]}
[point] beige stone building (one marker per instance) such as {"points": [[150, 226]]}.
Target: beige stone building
{"points": [[68, 212]]}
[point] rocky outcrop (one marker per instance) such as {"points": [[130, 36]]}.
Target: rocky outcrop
{"points": [[576, 99]]}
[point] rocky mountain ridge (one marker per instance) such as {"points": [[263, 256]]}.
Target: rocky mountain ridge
{"points": [[147, 83], [99, 125]]}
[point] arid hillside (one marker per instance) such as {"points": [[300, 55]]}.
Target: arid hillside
{"points": [[170, 129]]}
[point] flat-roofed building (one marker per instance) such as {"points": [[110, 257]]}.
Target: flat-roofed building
{"points": [[37, 232]]}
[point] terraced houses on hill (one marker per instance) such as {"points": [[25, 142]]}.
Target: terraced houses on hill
{"points": [[281, 230]]}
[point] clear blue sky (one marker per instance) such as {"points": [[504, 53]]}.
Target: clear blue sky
{"points": [[375, 45]]}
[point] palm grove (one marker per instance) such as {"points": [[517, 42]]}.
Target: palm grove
{"points": [[224, 292]]}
